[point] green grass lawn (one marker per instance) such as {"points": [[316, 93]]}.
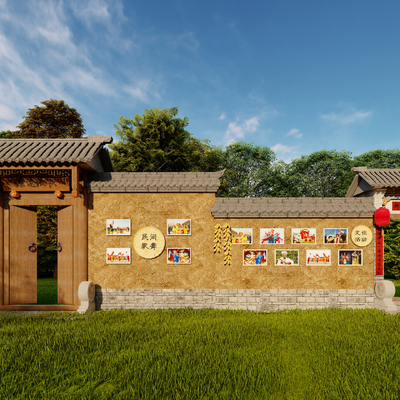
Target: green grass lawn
{"points": [[201, 354], [47, 291]]}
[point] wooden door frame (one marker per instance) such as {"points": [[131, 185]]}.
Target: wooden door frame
{"points": [[80, 243]]}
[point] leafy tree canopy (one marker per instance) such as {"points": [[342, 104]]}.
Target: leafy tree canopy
{"points": [[392, 249], [378, 159], [5, 134], [325, 173], [248, 171], [159, 141], [53, 119]]}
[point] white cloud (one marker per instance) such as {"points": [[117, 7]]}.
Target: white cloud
{"points": [[295, 133], [91, 10], [346, 118], [186, 41], [237, 131], [251, 124], [222, 116], [142, 90], [6, 113], [281, 148]]}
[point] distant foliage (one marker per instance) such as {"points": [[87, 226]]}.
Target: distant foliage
{"points": [[378, 159], [53, 119], [46, 240], [392, 249], [248, 171], [5, 134], [325, 173]]}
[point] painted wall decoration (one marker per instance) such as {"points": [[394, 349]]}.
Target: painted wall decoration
{"points": [[335, 236], [179, 227], [255, 257], [379, 251], [272, 236], [318, 257], [303, 235], [242, 235], [286, 257], [396, 205], [179, 255], [118, 255], [350, 257], [118, 227], [361, 235], [149, 242]]}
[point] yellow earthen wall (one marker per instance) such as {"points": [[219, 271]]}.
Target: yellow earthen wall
{"points": [[207, 270]]}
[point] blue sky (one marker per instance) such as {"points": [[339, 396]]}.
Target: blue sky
{"points": [[296, 76]]}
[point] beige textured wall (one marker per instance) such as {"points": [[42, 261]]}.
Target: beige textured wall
{"points": [[207, 269]]}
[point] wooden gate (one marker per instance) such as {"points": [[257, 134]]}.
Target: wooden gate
{"points": [[23, 255]]}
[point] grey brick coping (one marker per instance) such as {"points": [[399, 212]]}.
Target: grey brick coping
{"points": [[244, 299]]}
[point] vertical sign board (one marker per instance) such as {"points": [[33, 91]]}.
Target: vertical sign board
{"points": [[378, 251]]}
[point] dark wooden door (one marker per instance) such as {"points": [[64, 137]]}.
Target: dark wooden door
{"points": [[65, 259], [23, 261]]}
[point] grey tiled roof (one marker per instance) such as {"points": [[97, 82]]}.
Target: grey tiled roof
{"points": [[369, 179], [51, 150], [154, 182], [290, 207], [379, 178]]}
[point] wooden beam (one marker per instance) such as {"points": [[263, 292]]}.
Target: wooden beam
{"points": [[39, 307], [6, 256], [75, 181], [80, 245], [37, 167]]}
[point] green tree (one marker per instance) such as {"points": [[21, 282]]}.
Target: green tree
{"points": [[392, 249], [159, 141], [325, 173], [249, 171], [5, 134], [378, 159], [54, 119]]}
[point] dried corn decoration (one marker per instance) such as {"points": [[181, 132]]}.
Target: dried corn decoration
{"points": [[227, 244], [217, 238]]}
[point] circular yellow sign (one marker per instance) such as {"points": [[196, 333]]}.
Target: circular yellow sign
{"points": [[361, 235], [149, 242]]}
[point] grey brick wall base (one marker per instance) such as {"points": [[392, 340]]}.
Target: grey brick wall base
{"points": [[243, 299]]}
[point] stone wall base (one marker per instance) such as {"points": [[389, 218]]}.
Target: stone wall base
{"points": [[243, 299]]}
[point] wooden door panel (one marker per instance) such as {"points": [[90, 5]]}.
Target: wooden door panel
{"points": [[23, 262], [65, 257]]}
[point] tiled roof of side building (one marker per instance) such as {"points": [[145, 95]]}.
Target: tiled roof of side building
{"points": [[48, 151], [130, 182], [378, 178], [368, 179], [289, 207]]}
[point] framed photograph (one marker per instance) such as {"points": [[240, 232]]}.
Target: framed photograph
{"points": [[118, 255], [179, 256], [179, 227], [118, 227], [272, 236], [318, 257], [304, 235], [350, 257], [335, 236], [286, 257], [242, 235], [255, 257]]}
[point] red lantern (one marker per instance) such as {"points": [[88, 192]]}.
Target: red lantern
{"points": [[382, 216]]}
